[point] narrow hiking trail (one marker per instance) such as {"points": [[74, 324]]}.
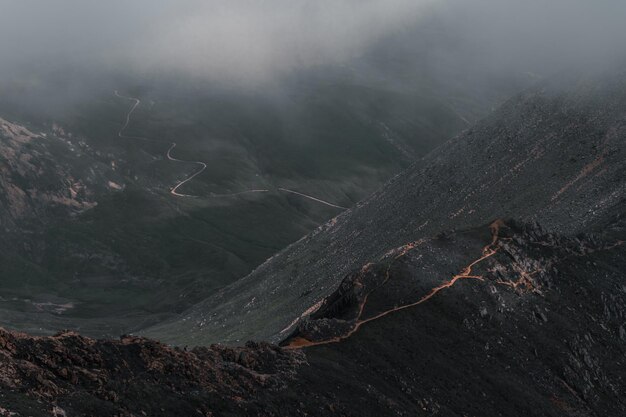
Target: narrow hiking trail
{"points": [[525, 282], [465, 274]]}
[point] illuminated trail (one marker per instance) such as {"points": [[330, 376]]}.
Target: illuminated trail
{"points": [[466, 273], [202, 166], [525, 282]]}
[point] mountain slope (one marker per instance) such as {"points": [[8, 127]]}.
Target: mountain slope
{"points": [[554, 154], [97, 243], [415, 310]]}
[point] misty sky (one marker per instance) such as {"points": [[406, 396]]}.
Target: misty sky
{"points": [[260, 39]]}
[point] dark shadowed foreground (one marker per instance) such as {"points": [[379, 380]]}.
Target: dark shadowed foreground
{"points": [[502, 320]]}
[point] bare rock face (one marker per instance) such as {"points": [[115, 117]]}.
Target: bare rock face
{"points": [[40, 176]]}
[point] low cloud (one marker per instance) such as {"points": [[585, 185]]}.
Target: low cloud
{"points": [[256, 40], [259, 40]]}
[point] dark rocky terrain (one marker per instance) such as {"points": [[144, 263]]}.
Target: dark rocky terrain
{"points": [[508, 319], [41, 178]]}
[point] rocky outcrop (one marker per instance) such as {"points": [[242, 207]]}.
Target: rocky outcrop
{"points": [[73, 375], [520, 257]]}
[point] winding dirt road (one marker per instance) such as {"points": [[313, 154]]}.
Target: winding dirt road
{"points": [[201, 165], [312, 198], [127, 122]]}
